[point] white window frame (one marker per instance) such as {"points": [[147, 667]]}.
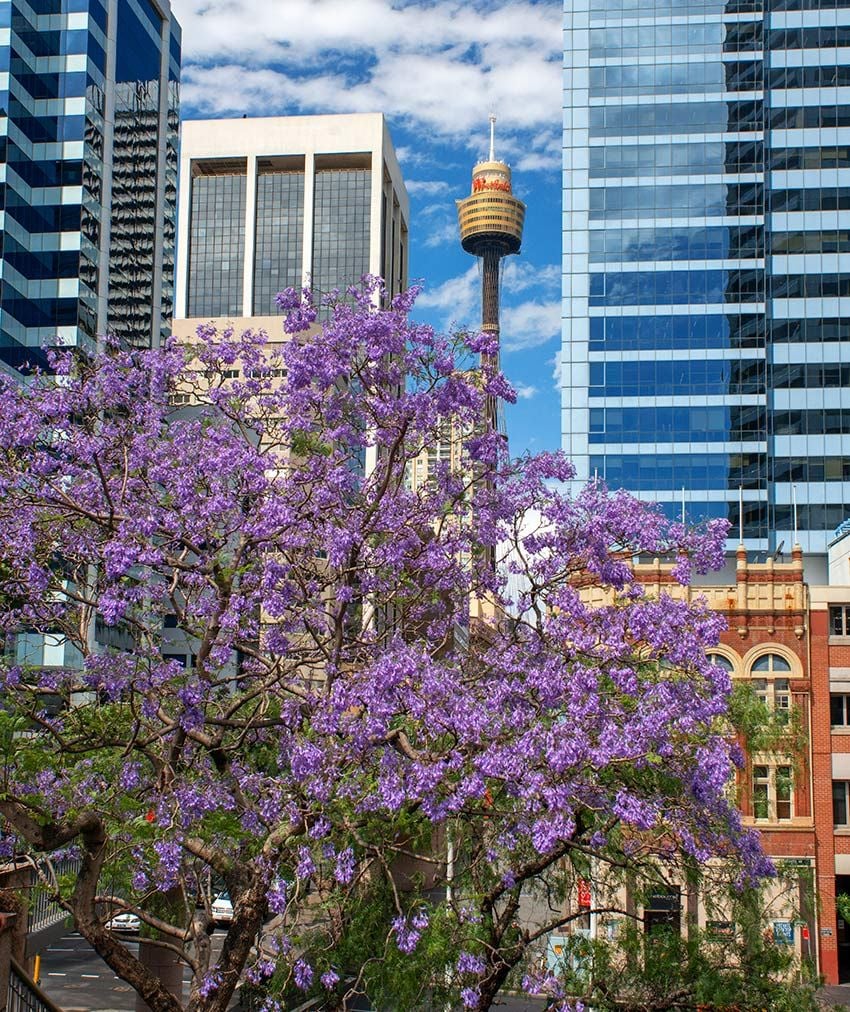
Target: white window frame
{"points": [[845, 706], [776, 784]]}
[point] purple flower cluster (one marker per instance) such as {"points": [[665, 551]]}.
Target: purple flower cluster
{"points": [[300, 644], [468, 963], [408, 932], [302, 974]]}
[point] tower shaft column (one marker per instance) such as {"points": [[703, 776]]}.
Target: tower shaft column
{"points": [[491, 256]]}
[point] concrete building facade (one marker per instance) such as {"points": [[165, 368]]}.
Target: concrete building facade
{"points": [[268, 203]]}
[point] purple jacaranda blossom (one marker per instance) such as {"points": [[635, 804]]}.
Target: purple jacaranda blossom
{"points": [[210, 984], [261, 971], [277, 897], [407, 935], [306, 662], [305, 867], [302, 973], [470, 997], [320, 828], [170, 855], [469, 963], [344, 866], [329, 979]]}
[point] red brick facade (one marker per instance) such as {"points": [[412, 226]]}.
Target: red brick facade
{"points": [[769, 611]]}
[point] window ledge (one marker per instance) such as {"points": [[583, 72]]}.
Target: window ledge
{"points": [[797, 823]]}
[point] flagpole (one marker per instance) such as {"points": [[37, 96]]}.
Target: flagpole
{"points": [[741, 512], [794, 504]]}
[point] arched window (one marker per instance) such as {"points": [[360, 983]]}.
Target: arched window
{"points": [[721, 662], [771, 663], [773, 688]]}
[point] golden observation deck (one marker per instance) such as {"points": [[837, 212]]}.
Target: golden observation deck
{"points": [[491, 215]]}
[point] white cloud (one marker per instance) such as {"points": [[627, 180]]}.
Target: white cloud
{"points": [[525, 324], [427, 187], [438, 233], [540, 161], [525, 391], [530, 324], [520, 275], [554, 363], [456, 300], [434, 64]]}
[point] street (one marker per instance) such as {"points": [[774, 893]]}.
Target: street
{"points": [[79, 981]]}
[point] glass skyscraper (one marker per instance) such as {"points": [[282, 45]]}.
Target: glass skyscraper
{"points": [[707, 258], [89, 143]]}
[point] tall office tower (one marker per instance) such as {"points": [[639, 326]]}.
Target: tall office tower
{"points": [[267, 203], [707, 259], [89, 173]]}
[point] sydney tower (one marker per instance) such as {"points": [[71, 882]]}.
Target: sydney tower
{"points": [[491, 221]]}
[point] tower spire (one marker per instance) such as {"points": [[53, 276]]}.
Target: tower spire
{"points": [[492, 137]]}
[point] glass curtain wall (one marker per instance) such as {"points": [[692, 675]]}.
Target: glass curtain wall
{"points": [[808, 75], [706, 263], [217, 239], [134, 173], [341, 221], [88, 236], [279, 237], [54, 89]]}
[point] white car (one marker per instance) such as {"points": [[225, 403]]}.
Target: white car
{"points": [[222, 909], [124, 922]]}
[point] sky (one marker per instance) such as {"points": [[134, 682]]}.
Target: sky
{"points": [[436, 69]]}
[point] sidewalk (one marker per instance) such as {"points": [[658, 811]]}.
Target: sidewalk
{"points": [[835, 995]]}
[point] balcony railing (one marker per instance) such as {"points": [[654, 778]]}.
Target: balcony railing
{"points": [[45, 912], [24, 994]]}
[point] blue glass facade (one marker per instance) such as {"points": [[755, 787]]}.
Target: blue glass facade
{"points": [[707, 257], [89, 167]]}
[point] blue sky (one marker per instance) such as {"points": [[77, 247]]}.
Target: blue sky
{"points": [[436, 69]]}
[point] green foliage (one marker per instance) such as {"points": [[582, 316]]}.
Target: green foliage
{"points": [[364, 952], [744, 970], [842, 903], [306, 444], [764, 730]]}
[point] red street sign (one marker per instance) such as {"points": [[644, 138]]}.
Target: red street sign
{"points": [[583, 894]]}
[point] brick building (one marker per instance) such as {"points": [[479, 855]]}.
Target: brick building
{"points": [[791, 641]]}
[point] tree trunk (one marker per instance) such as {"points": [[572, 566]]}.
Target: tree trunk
{"points": [[164, 964]]}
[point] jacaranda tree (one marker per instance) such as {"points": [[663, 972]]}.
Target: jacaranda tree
{"points": [[302, 679]]}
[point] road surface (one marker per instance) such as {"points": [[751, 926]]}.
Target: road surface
{"points": [[79, 981]]}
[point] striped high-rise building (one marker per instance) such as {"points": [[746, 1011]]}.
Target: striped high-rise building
{"points": [[706, 338], [90, 91]]}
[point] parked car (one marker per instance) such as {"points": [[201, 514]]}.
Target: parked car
{"points": [[222, 909], [126, 922]]}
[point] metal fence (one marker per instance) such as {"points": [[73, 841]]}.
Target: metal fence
{"points": [[24, 995], [44, 912]]}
